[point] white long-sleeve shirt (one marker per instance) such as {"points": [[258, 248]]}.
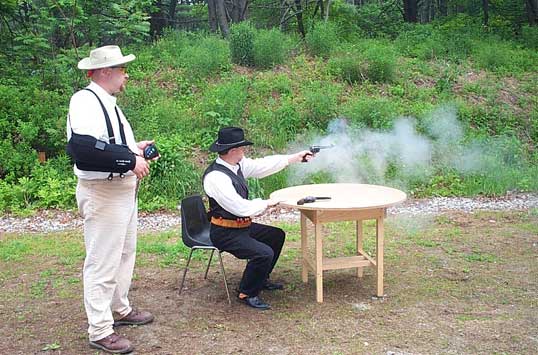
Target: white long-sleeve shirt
{"points": [[86, 117], [218, 185]]}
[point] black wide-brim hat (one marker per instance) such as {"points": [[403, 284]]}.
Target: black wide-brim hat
{"points": [[228, 138]]}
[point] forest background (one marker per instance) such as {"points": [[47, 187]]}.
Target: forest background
{"points": [[454, 79]]}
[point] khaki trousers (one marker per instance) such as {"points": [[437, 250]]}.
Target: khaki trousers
{"points": [[109, 210]]}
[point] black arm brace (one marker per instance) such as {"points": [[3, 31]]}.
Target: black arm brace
{"points": [[91, 154]]}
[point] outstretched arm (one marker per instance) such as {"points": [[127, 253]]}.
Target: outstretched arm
{"points": [[259, 168]]}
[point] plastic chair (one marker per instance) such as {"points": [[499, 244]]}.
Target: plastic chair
{"points": [[195, 234]]}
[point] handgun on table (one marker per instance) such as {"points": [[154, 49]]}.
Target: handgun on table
{"points": [[310, 199]]}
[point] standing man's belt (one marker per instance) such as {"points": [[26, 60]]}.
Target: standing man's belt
{"points": [[232, 223]]}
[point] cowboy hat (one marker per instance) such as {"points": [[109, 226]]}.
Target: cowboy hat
{"points": [[228, 138], [105, 57]]}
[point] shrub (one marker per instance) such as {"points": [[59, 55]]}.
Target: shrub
{"points": [[322, 39], [345, 17], [320, 103], [269, 84], [173, 176], [381, 63], [421, 41], [242, 43], [50, 185], [493, 56], [454, 39], [162, 114], [170, 48], [286, 123], [271, 48], [375, 19], [374, 113], [529, 36], [55, 184], [347, 67], [207, 56], [31, 120], [524, 60], [502, 57], [223, 104]]}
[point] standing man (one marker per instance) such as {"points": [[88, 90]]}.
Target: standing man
{"points": [[230, 210], [107, 200]]}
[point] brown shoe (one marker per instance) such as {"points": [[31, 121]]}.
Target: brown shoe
{"points": [[135, 318], [114, 343]]}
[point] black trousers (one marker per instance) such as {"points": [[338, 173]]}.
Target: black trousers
{"points": [[259, 243]]}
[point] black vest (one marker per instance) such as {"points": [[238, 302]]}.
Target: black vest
{"points": [[239, 183]]}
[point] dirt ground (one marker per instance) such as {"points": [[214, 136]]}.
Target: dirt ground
{"points": [[454, 284]]}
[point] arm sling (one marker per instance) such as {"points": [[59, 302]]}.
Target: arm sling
{"points": [[92, 154]]}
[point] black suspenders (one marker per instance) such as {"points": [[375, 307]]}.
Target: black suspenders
{"points": [[111, 138]]}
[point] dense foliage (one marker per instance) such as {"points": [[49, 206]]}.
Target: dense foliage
{"points": [[286, 92]]}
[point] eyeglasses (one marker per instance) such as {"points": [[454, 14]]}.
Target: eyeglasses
{"points": [[123, 69]]}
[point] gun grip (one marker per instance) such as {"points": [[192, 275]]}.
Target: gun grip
{"points": [[304, 158]]}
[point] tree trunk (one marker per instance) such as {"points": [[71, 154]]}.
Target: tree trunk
{"points": [[241, 6], [237, 10], [425, 11], [172, 12], [532, 11], [410, 10], [485, 8], [284, 9], [321, 9], [299, 16], [212, 15], [157, 20], [327, 10], [234, 10], [443, 8], [222, 17]]}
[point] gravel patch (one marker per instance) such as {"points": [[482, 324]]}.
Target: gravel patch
{"points": [[55, 221]]}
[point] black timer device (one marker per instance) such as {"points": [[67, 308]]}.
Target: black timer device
{"points": [[151, 152]]}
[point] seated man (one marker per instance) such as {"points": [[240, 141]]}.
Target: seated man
{"points": [[230, 211]]}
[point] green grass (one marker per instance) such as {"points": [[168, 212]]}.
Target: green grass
{"points": [[448, 272]]}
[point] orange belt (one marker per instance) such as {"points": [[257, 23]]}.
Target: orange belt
{"points": [[231, 223]]}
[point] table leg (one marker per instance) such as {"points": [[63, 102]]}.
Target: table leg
{"points": [[304, 248], [379, 255], [359, 246], [319, 263]]}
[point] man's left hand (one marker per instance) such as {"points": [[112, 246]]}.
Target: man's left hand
{"points": [[142, 145]]}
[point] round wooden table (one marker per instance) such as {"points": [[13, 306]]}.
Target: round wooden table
{"points": [[348, 202]]}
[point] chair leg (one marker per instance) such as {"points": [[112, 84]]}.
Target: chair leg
{"points": [[209, 263], [185, 272], [225, 281]]}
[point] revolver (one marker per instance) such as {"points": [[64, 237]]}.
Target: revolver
{"points": [[310, 199], [315, 149]]}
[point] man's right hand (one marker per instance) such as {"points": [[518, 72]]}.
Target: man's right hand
{"points": [[141, 168]]}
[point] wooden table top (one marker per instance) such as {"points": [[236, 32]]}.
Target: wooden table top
{"points": [[343, 196]]}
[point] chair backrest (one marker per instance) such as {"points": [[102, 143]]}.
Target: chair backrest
{"points": [[194, 222]]}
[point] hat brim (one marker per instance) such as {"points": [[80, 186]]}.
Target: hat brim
{"points": [[217, 148], [85, 63]]}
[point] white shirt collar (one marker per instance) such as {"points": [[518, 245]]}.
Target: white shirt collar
{"points": [[102, 93], [233, 168]]}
